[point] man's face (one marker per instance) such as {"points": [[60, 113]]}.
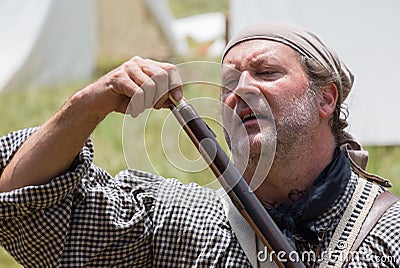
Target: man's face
{"points": [[264, 76]]}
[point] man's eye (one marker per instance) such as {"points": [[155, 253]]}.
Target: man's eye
{"points": [[268, 75]]}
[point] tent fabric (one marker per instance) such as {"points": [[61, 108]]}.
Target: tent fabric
{"points": [[46, 42]]}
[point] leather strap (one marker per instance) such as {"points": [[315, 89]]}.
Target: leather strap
{"points": [[384, 201]]}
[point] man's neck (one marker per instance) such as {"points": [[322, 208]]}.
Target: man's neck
{"points": [[290, 179]]}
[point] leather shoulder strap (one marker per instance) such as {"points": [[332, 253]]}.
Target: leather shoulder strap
{"points": [[384, 201]]}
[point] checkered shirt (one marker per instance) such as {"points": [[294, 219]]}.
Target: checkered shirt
{"points": [[85, 217]]}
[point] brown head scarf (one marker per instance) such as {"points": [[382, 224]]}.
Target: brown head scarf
{"points": [[304, 42]]}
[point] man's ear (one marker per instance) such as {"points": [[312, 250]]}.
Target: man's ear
{"points": [[327, 101]]}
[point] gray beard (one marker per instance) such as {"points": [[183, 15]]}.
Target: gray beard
{"points": [[294, 128], [292, 136]]}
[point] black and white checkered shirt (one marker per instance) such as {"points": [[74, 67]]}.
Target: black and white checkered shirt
{"points": [[88, 218]]}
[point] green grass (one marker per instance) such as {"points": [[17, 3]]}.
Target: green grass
{"points": [[385, 161]]}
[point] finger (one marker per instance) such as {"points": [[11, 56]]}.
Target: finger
{"points": [[149, 89], [162, 89], [176, 93], [163, 102], [136, 105], [160, 78], [138, 76], [156, 80], [147, 86], [175, 83], [174, 86], [154, 88], [125, 86]]}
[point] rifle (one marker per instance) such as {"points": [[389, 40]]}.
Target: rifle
{"points": [[232, 181]]}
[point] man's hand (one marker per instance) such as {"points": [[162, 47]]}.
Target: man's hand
{"points": [[133, 87], [136, 85]]}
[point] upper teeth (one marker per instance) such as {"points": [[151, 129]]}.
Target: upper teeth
{"points": [[247, 116]]}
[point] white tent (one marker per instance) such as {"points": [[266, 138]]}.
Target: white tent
{"points": [[45, 41], [48, 42], [366, 35]]}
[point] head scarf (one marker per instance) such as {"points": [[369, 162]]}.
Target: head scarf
{"points": [[304, 42]]}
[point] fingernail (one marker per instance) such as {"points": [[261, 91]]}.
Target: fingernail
{"points": [[177, 95]]}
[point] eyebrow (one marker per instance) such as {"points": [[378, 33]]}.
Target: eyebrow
{"points": [[264, 59]]}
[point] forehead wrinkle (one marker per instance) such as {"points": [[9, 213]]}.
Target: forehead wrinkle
{"points": [[254, 53], [267, 52], [256, 57], [264, 59]]}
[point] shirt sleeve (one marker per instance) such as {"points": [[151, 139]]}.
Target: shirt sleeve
{"points": [[33, 219], [84, 217]]}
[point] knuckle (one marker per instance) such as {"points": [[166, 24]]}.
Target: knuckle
{"points": [[148, 84], [162, 73], [171, 67], [138, 95], [160, 76], [126, 66], [136, 59]]}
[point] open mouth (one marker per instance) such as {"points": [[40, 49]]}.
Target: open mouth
{"points": [[252, 119], [249, 117]]}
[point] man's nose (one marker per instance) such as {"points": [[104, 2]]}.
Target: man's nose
{"points": [[246, 86]]}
